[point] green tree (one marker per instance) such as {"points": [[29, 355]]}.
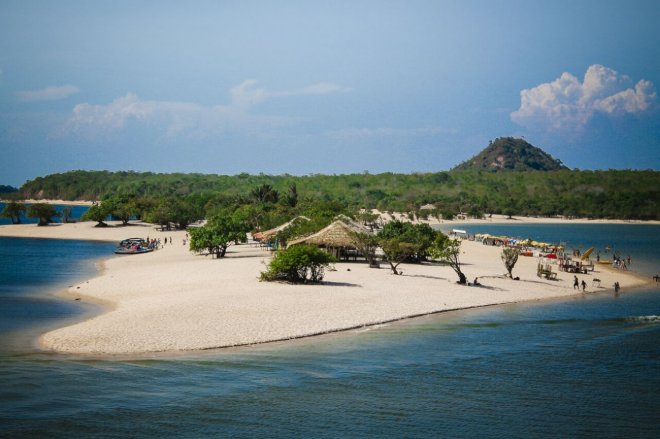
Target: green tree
{"points": [[298, 264], [509, 257], [292, 195], [419, 236], [183, 212], [366, 243], [122, 207], [66, 214], [265, 194], [217, 235], [13, 211], [449, 251], [97, 212], [396, 251], [368, 218], [448, 213], [45, 212]]}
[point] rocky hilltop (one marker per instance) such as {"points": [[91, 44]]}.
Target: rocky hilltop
{"points": [[511, 154]]}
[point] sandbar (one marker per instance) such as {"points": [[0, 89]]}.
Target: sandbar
{"points": [[174, 300]]}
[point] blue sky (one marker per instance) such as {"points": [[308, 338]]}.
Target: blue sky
{"points": [[323, 87]]}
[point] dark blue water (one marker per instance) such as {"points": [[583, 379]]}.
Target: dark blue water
{"points": [[583, 367], [76, 213]]}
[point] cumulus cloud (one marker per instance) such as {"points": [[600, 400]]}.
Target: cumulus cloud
{"points": [[52, 93], [569, 104], [176, 118]]}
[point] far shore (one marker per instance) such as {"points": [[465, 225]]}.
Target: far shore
{"points": [[56, 202], [172, 300], [488, 219]]}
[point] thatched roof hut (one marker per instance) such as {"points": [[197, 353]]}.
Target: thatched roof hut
{"points": [[269, 234], [337, 236]]}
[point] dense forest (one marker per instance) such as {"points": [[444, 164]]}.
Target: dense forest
{"points": [[622, 194]]}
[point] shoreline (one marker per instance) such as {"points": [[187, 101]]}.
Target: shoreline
{"points": [[59, 202], [173, 301], [492, 219]]}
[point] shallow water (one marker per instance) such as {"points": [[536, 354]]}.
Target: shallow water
{"points": [[31, 271], [582, 367]]}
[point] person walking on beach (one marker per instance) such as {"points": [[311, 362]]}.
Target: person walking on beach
{"points": [[576, 283], [584, 286]]}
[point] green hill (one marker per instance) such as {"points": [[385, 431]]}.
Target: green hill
{"points": [[510, 154]]}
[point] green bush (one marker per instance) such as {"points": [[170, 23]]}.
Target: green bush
{"points": [[298, 264]]}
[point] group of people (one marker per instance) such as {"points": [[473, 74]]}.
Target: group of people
{"points": [[153, 243], [157, 243], [577, 284], [618, 262]]}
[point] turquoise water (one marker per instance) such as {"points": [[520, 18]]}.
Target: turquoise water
{"points": [[76, 213], [582, 367]]}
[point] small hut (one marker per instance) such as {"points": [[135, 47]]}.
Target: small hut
{"points": [[269, 235], [337, 238]]}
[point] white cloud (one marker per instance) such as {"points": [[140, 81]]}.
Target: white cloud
{"points": [[568, 104], [247, 93], [176, 118], [52, 93]]}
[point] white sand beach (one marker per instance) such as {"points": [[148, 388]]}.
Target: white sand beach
{"points": [[173, 300]]}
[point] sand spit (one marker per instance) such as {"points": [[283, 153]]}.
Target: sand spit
{"points": [[172, 300]]}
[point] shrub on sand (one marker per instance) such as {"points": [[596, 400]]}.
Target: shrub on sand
{"points": [[298, 264]]}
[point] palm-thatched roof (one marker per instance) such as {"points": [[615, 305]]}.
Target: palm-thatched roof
{"points": [[268, 234], [339, 234]]}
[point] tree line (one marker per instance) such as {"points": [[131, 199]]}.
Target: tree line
{"points": [[621, 194]]}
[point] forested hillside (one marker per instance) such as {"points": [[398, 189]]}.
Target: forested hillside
{"points": [[596, 194], [511, 154]]}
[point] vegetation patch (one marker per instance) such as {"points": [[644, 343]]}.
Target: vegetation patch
{"points": [[298, 264]]}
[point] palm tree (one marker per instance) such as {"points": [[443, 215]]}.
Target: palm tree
{"points": [[265, 194]]}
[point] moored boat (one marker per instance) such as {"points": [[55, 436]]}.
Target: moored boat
{"points": [[133, 246]]}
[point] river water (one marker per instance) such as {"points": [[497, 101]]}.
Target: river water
{"points": [[582, 367]]}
